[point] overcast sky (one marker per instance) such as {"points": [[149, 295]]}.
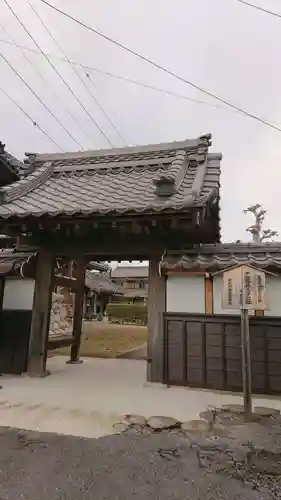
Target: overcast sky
{"points": [[228, 48]]}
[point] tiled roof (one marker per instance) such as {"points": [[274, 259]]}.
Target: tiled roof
{"points": [[130, 272], [216, 257], [101, 284], [10, 167], [172, 176], [12, 262], [98, 266]]}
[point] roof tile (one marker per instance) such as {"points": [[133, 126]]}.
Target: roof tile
{"points": [[115, 181], [216, 257], [101, 284]]}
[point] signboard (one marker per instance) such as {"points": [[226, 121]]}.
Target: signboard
{"points": [[244, 287]]}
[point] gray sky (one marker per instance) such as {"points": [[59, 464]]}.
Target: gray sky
{"points": [[221, 45]]}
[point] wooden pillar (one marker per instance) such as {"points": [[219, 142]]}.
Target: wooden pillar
{"points": [[156, 305], [78, 312], [208, 295], [42, 302]]}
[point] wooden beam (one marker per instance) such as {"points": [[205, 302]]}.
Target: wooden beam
{"points": [[156, 308], [41, 314], [259, 313], [209, 295], [78, 311]]}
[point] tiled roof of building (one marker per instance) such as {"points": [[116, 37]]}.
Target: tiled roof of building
{"points": [[101, 284], [98, 266], [172, 176], [10, 167], [22, 264], [13, 262], [130, 272], [222, 256]]}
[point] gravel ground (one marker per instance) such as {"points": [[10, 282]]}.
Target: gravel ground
{"points": [[37, 466]]}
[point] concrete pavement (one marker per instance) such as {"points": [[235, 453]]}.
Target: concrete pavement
{"points": [[87, 399]]}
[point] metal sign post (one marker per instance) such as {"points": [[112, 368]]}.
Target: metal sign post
{"points": [[244, 289]]}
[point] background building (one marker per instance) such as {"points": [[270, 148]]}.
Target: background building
{"points": [[133, 281]]}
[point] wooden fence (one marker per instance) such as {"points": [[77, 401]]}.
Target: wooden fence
{"points": [[14, 339], [205, 351]]}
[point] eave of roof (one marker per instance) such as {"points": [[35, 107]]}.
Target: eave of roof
{"points": [[222, 256], [16, 263], [117, 181], [123, 272], [101, 284]]}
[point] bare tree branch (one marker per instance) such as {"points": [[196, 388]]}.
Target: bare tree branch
{"points": [[259, 234]]}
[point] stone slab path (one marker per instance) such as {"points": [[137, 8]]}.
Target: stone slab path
{"points": [[86, 400]]}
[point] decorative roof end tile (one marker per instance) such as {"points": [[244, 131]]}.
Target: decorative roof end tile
{"points": [[165, 186]]}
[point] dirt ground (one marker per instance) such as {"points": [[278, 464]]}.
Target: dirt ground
{"points": [[36, 466], [102, 339]]}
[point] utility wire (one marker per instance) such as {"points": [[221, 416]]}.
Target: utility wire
{"points": [[150, 87], [30, 88], [46, 83], [100, 106], [119, 77], [76, 72], [159, 66], [262, 9], [128, 80], [34, 123], [42, 53], [59, 74]]}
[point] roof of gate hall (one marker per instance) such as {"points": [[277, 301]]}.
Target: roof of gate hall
{"points": [[143, 179], [225, 255]]}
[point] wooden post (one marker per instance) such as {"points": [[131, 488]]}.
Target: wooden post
{"points": [[208, 295], [246, 364], [156, 305], [41, 310], [78, 312]]}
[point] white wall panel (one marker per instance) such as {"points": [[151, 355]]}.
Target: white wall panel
{"points": [[273, 291], [186, 294], [18, 294]]}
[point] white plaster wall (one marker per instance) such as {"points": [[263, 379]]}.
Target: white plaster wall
{"points": [[18, 294], [185, 294], [273, 291]]}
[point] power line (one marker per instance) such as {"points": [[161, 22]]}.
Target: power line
{"points": [[162, 68], [42, 78], [120, 77], [75, 71], [31, 90], [102, 109], [42, 53], [150, 87], [262, 9], [125, 79], [58, 73], [34, 123]]}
